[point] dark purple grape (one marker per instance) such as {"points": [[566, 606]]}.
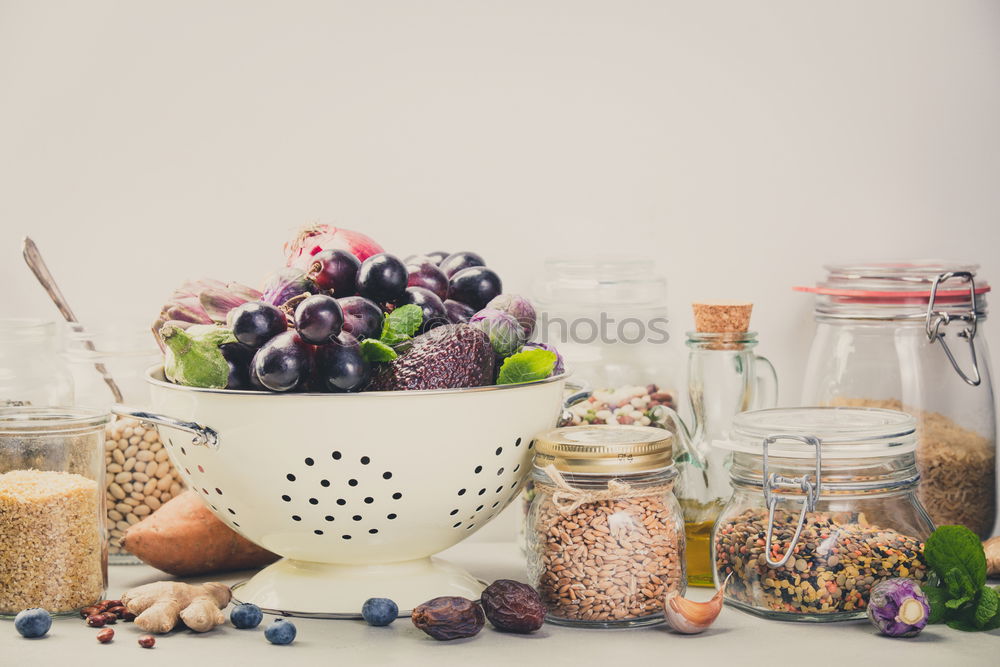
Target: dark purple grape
{"points": [[335, 270], [318, 318], [434, 258], [283, 363], [457, 261], [438, 256], [432, 307], [475, 286], [255, 383], [340, 366], [458, 313], [362, 318], [428, 276], [254, 323], [382, 278], [238, 356]]}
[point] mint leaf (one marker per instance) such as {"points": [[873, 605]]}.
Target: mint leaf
{"points": [[404, 321], [376, 351], [527, 366], [987, 607], [959, 586], [962, 624], [958, 547], [390, 337], [936, 598]]}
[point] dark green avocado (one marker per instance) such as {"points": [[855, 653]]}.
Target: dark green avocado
{"points": [[447, 357]]}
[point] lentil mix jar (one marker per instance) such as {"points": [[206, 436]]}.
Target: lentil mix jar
{"points": [[605, 534], [824, 507]]}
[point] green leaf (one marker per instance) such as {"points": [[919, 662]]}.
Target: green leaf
{"points": [[376, 351], [987, 607], [962, 624], [403, 321], [390, 337], [960, 588], [958, 547], [936, 598], [527, 366]]}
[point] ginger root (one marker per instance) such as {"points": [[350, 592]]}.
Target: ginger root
{"points": [[992, 549], [158, 606]]}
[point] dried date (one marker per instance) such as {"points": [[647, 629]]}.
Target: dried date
{"points": [[513, 607], [448, 617]]}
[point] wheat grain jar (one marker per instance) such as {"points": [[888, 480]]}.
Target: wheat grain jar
{"points": [[909, 335], [53, 553], [605, 534], [824, 507]]}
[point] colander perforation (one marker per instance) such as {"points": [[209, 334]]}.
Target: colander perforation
{"points": [[309, 484]]}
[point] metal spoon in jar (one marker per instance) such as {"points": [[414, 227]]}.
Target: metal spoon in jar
{"points": [[33, 258]]}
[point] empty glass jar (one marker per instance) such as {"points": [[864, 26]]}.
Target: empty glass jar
{"points": [[31, 370], [909, 336], [608, 317], [52, 548], [824, 506]]}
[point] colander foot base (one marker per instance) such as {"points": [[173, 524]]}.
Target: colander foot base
{"points": [[325, 590]]}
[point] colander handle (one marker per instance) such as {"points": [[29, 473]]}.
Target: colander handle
{"points": [[203, 435]]}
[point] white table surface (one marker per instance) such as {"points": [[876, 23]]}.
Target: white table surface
{"points": [[736, 638]]}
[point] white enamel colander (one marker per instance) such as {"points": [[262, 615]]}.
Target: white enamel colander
{"points": [[355, 491]]}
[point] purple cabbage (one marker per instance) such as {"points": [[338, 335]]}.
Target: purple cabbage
{"points": [[898, 608]]}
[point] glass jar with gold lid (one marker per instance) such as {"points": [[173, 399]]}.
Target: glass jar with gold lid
{"points": [[605, 533]]}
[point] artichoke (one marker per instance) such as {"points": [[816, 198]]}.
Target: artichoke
{"points": [[194, 356], [204, 301]]}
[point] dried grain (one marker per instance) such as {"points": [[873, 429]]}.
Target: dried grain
{"points": [[957, 468], [50, 541]]}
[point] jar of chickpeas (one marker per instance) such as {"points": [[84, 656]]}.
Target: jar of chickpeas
{"points": [[108, 366]]}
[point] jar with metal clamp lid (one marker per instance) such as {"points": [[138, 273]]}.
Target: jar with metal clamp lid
{"points": [[910, 336], [605, 534], [824, 506]]}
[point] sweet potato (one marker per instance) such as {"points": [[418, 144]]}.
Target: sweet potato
{"points": [[183, 538]]}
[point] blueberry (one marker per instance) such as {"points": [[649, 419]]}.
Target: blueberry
{"points": [[244, 616], [280, 632], [379, 611], [33, 623]]}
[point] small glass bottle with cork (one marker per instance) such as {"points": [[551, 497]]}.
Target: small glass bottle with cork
{"points": [[725, 377]]}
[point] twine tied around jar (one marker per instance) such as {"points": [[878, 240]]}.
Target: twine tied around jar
{"points": [[567, 499]]}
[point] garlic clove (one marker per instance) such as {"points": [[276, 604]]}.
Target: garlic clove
{"points": [[690, 617]]}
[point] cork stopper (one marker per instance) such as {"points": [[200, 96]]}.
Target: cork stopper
{"points": [[722, 316]]}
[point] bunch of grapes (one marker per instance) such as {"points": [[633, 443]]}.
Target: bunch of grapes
{"points": [[314, 346]]}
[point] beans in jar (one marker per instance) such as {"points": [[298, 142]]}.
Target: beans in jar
{"points": [[140, 477]]}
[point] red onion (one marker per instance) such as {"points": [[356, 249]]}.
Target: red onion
{"points": [[312, 240]]}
